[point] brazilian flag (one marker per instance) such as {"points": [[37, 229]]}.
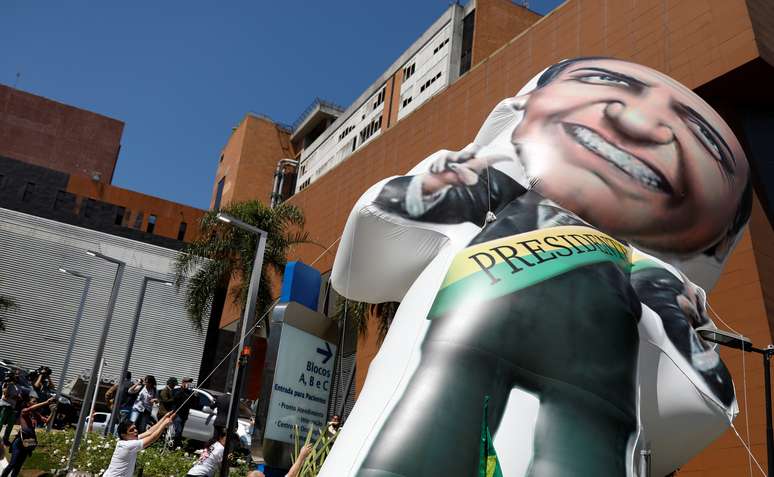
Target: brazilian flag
{"points": [[488, 466]]}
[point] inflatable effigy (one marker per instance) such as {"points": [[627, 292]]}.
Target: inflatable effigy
{"points": [[555, 269]]}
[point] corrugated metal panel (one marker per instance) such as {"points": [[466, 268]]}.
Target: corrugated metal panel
{"points": [[340, 392], [37, 333]]}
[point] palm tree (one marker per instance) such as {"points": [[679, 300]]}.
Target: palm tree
{"points": [[223, 253], [357, 313]]}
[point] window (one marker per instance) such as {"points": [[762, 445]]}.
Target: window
{"points": [[219, 193], [466, 54], [409, 71], [61, 198], [379, 98], [90, 208], [151, 224], [221, 158], [369, 130], [181, 230], [407, 101], [120, 213], [29, 190], [346, 132], [138, 220]]}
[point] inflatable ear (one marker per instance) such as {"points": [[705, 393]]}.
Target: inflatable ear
{"points": [[549, 277]]}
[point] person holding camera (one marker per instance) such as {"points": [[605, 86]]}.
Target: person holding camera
{"points": [[26, 440], [8, 401], [143, 406], [42, 382]]}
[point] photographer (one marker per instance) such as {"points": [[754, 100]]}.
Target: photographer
{"points": [[42, 382], [8, 401]]}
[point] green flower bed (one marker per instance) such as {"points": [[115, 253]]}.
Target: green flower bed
{"points": [[96, 451]]}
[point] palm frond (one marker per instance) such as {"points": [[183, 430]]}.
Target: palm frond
{"points": [[224, 254]]}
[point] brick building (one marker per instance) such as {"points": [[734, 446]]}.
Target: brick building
{"points": [[57, 161], [723, 50], [47, 133]]}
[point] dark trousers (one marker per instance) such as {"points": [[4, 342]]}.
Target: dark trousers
{"points": [[7, 418], [19, 454], [571, 341], [179, 425]]}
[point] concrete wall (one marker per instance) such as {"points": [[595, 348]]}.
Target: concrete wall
{"points": [[79, 200], [168, 214], [54, 135]]}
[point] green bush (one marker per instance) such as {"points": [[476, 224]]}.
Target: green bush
{"points": [[96, 451]]}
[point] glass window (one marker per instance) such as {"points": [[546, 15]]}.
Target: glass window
{"points": [[120, 213], [181, 230], [29, 189], [151, 223], [138, 220], [219, 193]]}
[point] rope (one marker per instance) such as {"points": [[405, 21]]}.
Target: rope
{"points": [[750, 456], [256, 325], [749, 451]]}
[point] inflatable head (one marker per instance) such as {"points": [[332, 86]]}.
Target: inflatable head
{"points": [[635, 153]]}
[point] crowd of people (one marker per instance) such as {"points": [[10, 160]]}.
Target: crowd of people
{"points": [[21, 404], [137, 427]]}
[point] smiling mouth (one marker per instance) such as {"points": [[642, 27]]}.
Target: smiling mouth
{"points": [[629, 164]]}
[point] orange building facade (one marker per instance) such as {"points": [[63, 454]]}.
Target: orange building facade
{"points": [[723, 49]]}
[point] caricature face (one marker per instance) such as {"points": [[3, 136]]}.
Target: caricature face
{"points": [[634, 153]]}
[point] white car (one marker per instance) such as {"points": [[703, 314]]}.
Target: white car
{"points": [[200, 424], [100, 421]]}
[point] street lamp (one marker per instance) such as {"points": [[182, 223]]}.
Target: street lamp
{"points": [[252, 298], [733, 340], [129, 347], [71, 345], [93, 385]]}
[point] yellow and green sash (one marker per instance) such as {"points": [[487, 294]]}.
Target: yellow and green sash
{"points": [[500, 267]]}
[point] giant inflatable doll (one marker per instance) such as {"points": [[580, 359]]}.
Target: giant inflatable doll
{"points": [[555, 267]]}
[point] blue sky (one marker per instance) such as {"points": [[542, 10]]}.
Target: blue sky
{"points": [[181, 74]]}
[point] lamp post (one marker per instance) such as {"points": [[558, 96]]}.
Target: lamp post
{"points": [[93, 385], [129, 347], [733, 340], [94, 399], [71, 344], [252, 298]]}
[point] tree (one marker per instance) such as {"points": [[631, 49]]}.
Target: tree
{"points": [[357, 314], [223, 253], [6, 303]]}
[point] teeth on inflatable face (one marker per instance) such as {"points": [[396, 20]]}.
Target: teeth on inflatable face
{"points": [[629, 164]]}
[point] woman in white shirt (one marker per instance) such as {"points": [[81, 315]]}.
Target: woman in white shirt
{"points": [[212, 456], [131, 443], [143, 406]]}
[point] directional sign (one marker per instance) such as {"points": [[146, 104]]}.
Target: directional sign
{"points": [[302, 385]]}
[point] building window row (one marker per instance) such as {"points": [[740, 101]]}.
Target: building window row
{"points": [[408, 71], [379, 98], [305, 184], [429, 82], [345, 132], [438, 48], [407, 101], [369, 130]]}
